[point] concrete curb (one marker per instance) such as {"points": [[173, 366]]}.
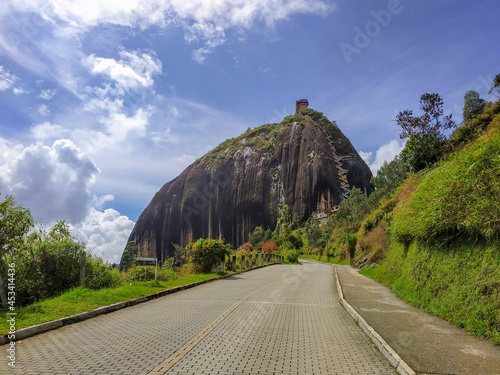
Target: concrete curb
{"points": [[396, 361], [24, 333]]}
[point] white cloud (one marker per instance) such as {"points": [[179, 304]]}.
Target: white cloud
{"points": [[103, 104], [52, 181], [212, 36], [106, 233], [99, 202], [72, 19], [43, 110], [120, 126], [46, 94], [6, 79], [19, 91], [385, 152], [133, 70], [46, 130]]}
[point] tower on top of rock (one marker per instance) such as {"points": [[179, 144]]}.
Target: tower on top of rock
{"points": [[300, 104]]}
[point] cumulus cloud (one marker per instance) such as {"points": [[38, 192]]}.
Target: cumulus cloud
{"points": [[46, 130], [52, 181], [133, 69], [105, 233], [119, 125], [385, 152]]}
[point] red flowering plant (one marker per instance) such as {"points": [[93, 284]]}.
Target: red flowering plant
{"points": [[269, 247], [248, 247]]}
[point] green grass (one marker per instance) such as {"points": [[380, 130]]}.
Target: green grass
{"points": [[459, 283], [323, 258], [459, 196], [80, 300]]}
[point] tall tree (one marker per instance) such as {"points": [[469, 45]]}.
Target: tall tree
{"points": [[473, 105], [129, 255], [425, 133], [431, 122]]}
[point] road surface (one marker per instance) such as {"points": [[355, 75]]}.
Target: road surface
{"points": [[282, 319]]}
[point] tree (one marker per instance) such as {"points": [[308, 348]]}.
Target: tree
{"points": [[473, 105], [352, 210], [430, 122], [256, 236], [316, 238], [206, 253], [15, 222], [390, 175], [285, 218], [425, 133], [180, 256], [129, 255], [496, 85], [420, 151]]}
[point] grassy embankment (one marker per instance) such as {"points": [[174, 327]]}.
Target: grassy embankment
{"points": [[80, 300], [444, 238]]}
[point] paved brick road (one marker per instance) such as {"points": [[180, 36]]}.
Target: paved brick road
{"points": [[277, 320]]}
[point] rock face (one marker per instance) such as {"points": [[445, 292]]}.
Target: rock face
{"points": [[241, 183]]}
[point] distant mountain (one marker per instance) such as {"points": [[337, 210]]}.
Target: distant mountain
{"points": [[305, 162]]}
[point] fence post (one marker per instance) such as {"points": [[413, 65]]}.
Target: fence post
{"points": [[233, 265], [222, 266], [82, 268], [243, 264], [261, 259], [250, 260]]}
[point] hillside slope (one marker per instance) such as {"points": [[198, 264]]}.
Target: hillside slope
{"points": [[443, 230]]}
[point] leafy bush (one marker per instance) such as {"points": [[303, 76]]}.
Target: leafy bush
{"points": [[98, 275], [247, 247], [47, 264], [292, 256], [269, 247], [140, 273], [206, 254]]}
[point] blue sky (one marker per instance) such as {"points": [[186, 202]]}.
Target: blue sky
{"points": [[102, 102]]}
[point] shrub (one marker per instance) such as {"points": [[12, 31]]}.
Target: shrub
{"points": [[167, 274], [47, 264], [98, 275], [140, 273], [292, 256], [269, 247], [247, 247], [206, 254]]}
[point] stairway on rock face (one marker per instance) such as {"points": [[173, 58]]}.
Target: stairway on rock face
{"points": [[342, 173]]}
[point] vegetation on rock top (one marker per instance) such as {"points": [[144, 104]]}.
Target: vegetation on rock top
{"points": [[263, 138]]}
